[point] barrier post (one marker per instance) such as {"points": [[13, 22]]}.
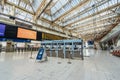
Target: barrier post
{"points": [[82, 51], [69, 58], [31, 52]]}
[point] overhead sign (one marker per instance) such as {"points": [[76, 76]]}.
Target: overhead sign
{"points": [[2, 29], [27, 34]]}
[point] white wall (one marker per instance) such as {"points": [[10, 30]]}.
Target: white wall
{"points": [[3, 44], [118, 43], [36, 43], [20, 44]]}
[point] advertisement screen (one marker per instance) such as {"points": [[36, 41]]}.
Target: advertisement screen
{"points": [[11, 31], [39, 36], [2, 29], [27, 34]]}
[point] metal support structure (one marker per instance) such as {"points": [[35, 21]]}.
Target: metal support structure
{"points": [[44, 8], [64, 50], [31, 52], [72, 50], [94, 21], [57, 50], [89, 16], [82, 55]]}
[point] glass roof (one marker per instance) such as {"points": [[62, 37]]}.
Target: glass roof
{"points": [[36, 4], [63, 6], [74, 15]]}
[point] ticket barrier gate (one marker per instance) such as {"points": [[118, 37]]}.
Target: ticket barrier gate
{"points": [[62, 48]]}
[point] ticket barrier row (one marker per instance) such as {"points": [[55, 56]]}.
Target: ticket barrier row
{"points": [[60, 53], [18, 49], [64, 48]]}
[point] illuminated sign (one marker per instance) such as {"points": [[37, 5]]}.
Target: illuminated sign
{"points": [[27, 34], [2, 29]]}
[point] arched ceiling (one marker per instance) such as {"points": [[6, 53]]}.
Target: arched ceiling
{"points": [[89, 19]]}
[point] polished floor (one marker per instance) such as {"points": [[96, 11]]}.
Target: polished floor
{"points": [[97, 65]]}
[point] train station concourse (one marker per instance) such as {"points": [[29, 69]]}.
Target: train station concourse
{"points": [[59, 39]]}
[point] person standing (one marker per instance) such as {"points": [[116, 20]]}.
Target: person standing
{"points": [[0, 48]]}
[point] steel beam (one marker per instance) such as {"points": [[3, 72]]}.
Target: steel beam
{"points": [[101, 11], [71, 10], [103, 21], [20, 8], [44, 9]]}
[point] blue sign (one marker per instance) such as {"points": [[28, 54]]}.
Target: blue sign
{"points": [[40, 54], [21, 40], [2, 29], [15, 40], [3, 39], [90, 42]]}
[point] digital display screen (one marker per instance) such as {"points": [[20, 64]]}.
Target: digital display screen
{"points": [[11, 31], [2, 29], [27, 34], [39, 36]]}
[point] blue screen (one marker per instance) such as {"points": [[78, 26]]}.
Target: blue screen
{"points": [[2, 29]]}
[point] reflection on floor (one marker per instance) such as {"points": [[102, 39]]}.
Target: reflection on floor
{"points": [[100, 65]]}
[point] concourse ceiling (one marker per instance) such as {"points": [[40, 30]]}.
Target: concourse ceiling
{"points": [[88, 19]]}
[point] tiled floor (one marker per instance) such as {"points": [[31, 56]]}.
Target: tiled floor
{"points": [[100, 65]]}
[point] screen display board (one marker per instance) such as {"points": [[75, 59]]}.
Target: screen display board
{"points": [[2, 29], [27, 34], [11, 31], [39, 36]]}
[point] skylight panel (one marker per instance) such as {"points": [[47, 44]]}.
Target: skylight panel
{"points": [[75, 2], [7, 9], [22, 4], [63, 2], [36, 4], [14, 1], [28, 7], [53, 10], [67, 6], [58, 5]]}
